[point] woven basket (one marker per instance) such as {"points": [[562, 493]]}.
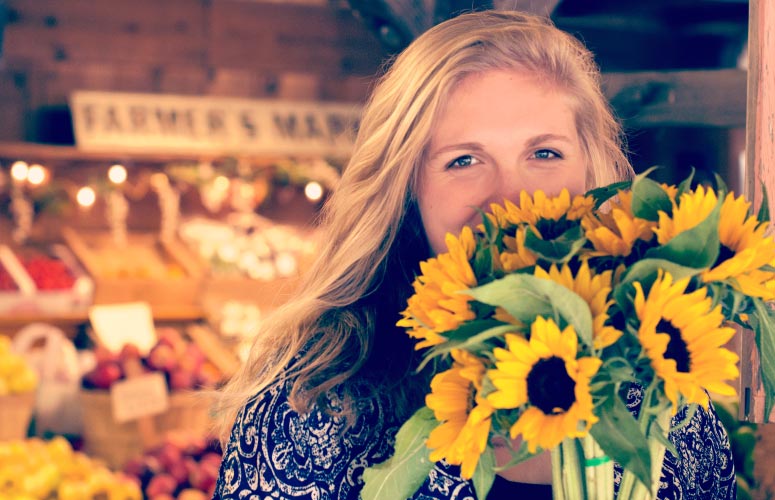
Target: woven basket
{"points": [[115, 443], [15, 414]]}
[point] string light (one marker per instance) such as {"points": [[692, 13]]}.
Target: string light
{"points": [[86, 197], [36, 175], [313, 191], [117, 174], [19, 171], [221, 183]]}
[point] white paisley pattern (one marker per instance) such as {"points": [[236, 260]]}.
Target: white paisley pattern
{"points": [[276, 453]]}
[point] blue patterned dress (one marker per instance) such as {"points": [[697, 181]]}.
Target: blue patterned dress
{"points": [[276, 453]]}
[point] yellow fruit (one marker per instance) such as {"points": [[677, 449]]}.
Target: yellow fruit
{"points": [[73, 490], [59, 450], [10, 364], [23, 381], [4, 390], [5, 344]]}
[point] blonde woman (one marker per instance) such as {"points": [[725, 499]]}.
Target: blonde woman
{"points": [[476, 109]]}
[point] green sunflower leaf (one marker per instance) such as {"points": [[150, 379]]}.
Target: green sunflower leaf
{"points": [[604, 193], [484, 475], [525, 297], [648, 198], [696, 247], [403, 474], [559, 249], [764, 209], [619, 435], [645, 271], [764, 327], [471, 336], [686, 184]]}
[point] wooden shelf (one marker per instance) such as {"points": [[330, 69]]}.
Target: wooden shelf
{"points": [[30, 151], [10, 323]]}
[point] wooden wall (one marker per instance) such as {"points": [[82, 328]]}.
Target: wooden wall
{"points": [[288, 50]]}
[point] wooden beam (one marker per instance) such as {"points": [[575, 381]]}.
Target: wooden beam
{"points": [[760, 167], [688, 98]]}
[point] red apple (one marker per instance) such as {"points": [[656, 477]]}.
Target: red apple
{"points": [[212, 458], [104, 375], [192, 358], [162, 484], [170, 336], [181, 380], [179, 471], [162, 357], [203, 477], [168, 455], [104, 355]]}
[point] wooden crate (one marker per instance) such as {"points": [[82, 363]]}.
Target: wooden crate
{"points": [[161, 273]]}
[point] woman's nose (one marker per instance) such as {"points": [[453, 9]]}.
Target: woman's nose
{"points": [[508, 186]]}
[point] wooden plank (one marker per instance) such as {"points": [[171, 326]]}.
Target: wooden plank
{"points": [[760, 158], [185, 17], [279, 37], [47, 46], [14, 103], [114, 31], [690, 98]]}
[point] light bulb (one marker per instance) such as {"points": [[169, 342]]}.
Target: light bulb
{"points": [[36, 175], [86, 196], [19, 171], [117, 174], [313, 191]]}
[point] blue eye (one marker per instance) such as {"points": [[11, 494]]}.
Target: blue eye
{"points": [[546, 154], [462, 162]]}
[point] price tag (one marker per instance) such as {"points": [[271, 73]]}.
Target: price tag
{"points": [[141, 396], [119, 324]]}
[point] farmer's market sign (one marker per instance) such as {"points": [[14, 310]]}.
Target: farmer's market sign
{"points": [[161, 123]]}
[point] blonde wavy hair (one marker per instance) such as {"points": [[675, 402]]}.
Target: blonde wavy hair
{"points": [[341, 322]]}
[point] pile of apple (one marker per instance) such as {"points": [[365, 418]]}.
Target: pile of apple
{"points": [[182, 362], [7, 283], [48, 273], [183, 467], [35, 469], [16, 374]]}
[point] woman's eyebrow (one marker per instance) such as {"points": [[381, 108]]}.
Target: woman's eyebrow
{"points": [[463, 146], [535, 141]]}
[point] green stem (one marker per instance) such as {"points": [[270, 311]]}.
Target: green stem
{"points": [[558, 491], [599, 470]]}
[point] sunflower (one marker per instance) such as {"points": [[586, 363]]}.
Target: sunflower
{"points": [[616, 231], [532, 210], [465, 416], [436, 306], [692, 208], [544, 373], [683, 336], [515, 255], [744, 250], [595, 290]]}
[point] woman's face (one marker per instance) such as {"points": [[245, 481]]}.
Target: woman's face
{"points": [[500, 132]]}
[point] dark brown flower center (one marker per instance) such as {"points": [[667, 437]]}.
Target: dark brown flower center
{"points": [[676, 348], [549, 386], [724, 253], [552, 229]]}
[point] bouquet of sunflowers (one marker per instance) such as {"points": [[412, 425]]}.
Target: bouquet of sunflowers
{"points": [[538, 320]]}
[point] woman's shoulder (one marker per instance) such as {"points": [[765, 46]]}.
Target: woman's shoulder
{"points": [[275, 448]]}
